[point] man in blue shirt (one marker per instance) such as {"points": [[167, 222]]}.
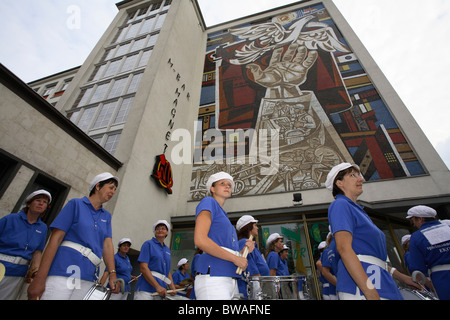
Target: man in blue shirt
{"points": [[429, 248]]}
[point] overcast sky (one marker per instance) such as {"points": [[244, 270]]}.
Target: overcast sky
{"points": [[407, 38]]}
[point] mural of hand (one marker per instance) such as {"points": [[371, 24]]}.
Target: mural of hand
{"points": [[285, 73]]}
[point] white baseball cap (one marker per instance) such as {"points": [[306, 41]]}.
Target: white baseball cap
{"points": [[421, 211], [273, 237], [164, 222], [243, 221], [101, 177], [322, 245], [216, 177], [405, 238], [334, 172], [38, 192], [123, 240], [182, 261]]}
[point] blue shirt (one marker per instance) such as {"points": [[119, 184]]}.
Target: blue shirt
{"points": [[123, 268], [178, 277], [283, 268], [274, 262], [327, 259], [429, 247], [19, 238], [157, 257], [221, 232], [256, 265], [368, 239], [83, 225]]}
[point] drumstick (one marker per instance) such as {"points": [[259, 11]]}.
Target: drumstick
{"points": [[239, 269], [168, 291]]}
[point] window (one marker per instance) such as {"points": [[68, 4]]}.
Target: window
{"points": [[132, 32], [83, 98], [99, 93], [57, 190], [49, 90], [123, 49], [86, 118], [105, 115], [152, 40], [160, 21], [8, 170], [138, 44], [111, 143], [122, 114], [112, 68], [98, 71], [144, 59], [129, 64], [117, 88], [147, 25], [134, 85], [66, 85]]}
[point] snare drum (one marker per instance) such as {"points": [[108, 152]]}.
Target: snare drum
{"points": [[272, 288], [410, 294]]}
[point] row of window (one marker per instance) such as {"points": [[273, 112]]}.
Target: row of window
{"points": [[148, 10], [102, 107]]}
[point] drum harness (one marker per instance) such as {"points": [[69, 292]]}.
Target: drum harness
{"points": [[97, 291]]}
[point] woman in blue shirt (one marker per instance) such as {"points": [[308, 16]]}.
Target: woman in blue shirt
{"points": [[22, 240], [216, 236], [81, 235], [274, 246], [181, 274], [257, 266], [154, 264], [123, 269], [362, 269]]}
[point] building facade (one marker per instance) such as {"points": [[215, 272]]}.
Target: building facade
{"points": [[276, 99]]}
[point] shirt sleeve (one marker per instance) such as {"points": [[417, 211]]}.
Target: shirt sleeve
{"points": [[66, 217], [341, 217]]}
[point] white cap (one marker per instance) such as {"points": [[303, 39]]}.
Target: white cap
{"points": [[181, 262], [285, 247], [273, 237], [123, 240], [421, 211], [243, 221], [322, 245], [101, 177], [334, 172], [38, 192], [216, 177], [164, 222], [405, 238]]}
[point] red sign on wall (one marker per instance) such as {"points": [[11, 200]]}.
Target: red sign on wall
{"points": [[162, 173]]}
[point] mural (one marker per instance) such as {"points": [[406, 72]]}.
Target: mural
{"points": [[283, 101]]}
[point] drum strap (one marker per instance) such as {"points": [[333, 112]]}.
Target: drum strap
{"points": [[14, 260], [441, 267], [161, 277], [236, 253], [373, 260], [85, 251]]}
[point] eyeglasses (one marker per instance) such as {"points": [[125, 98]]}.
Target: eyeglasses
{"points": [[356, 175]]}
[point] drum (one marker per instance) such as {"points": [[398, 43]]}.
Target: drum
{"points": [[410, 294], [273, 288]]}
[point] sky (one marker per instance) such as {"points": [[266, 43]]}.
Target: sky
{"points": [[408, 39]]}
